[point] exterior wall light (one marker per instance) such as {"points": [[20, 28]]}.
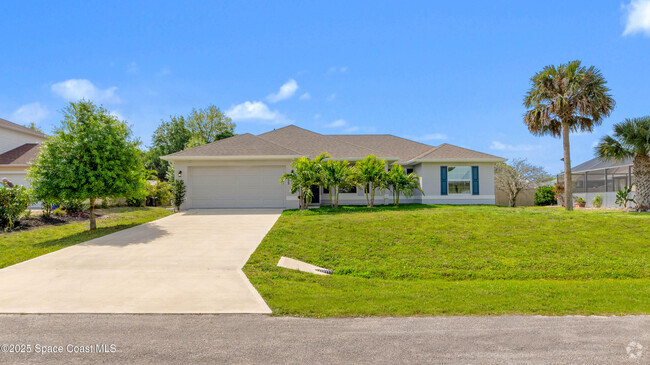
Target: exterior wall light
{"points": [[180, 173]]}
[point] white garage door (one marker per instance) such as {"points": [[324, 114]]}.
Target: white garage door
{"points": [[237, 187]]}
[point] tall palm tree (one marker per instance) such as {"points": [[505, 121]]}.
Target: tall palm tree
{"points": [[631, 139], [305, 174], [564, 99], [402, 183], [369, 174], [335, 174]]}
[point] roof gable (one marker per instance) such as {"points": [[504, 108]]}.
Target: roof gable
{"points": [[312, 144], [450, 152], [19, 128]]}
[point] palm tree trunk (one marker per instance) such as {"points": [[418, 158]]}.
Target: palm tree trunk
{"points": [[642, 182], [568, 183], [93, 222]]}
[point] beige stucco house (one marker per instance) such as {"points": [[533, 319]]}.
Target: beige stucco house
{"points": [[244, 171], [18, 147]]}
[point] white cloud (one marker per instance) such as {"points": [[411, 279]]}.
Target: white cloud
{"points": [[337, 123], [255, 110], [28, 113], [77, 89], [285, 92], [117, 115], [433, 137], [498, 146], [132, 68], [305, 96], [638, 17], [337, 69]]}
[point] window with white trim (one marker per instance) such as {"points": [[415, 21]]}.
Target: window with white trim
{"points": [[459, 179]]}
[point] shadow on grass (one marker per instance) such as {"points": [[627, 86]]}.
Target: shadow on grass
{"points": [[123, 239], [363, 209]]}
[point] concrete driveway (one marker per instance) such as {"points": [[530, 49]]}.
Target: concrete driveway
{"points": [[185, 263]]}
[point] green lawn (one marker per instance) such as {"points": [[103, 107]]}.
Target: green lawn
{"points": [[460, 260], [24, 245]]}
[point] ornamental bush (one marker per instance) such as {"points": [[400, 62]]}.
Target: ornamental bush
{"points": [[545, 195], [13, 202]]}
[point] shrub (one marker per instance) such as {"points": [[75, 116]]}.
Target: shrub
{"points": [[104, 204], [623, 197], [178, 194], [159, 193], [74, 207], [559, 193], [59, 212], [13, 202], [48, 207], [135, 201], [545, 195], [598, 201]]}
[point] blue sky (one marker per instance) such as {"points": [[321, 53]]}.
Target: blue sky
{"points": [[436, 72]]}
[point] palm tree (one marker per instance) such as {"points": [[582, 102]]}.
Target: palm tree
{"points": [[369, 174], [402, 183], [305, 173], [335, 175], [631, 139], [564, 99]]}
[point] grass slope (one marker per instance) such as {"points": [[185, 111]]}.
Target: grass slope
{"points": [[474, 260], [19, 246]]}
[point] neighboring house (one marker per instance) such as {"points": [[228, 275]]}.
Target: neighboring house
{"points": [[598, 176], [244, 171], [18, 147]]}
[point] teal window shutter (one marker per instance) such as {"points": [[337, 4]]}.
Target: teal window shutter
{"points": [[474, 180], [443, 180]]}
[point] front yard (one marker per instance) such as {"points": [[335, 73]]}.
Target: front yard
{"points": [[19, 246], [460, 260]]}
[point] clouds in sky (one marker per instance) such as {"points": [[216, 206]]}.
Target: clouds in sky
{"points": [[637, 17], [76, 89], [255, 110], [305, 96], [285, 92], [28, 113], [499, 146]]}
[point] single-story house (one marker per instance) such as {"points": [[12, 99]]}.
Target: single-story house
{"points": [[604, 177], [244, 171], [18, 147]]}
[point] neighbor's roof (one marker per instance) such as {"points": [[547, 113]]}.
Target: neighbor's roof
{"points": [[295, 141], [598, 164], [17, 127], [22, 155]]}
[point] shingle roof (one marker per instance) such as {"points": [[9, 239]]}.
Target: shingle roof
{"points": [[295, 141], [22, 155], [597, 164], [450, 152], [387, 145], [17, 127], [312, 144], [240, 145]]}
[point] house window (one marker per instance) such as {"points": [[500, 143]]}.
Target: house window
{"points": [[409, 171], [459, 179], [342, 190]]}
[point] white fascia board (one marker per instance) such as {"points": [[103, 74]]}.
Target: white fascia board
{"points": [[229, 158], [455, 160]]}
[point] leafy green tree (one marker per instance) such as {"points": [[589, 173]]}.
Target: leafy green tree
{"points": [[90, 156], [370, 174], [402, 183], [564, 99], [545, 195], [33, 126], [13, 202], [171, 136], [209, 125], [631, 139], [305, 173], [335, 174]]}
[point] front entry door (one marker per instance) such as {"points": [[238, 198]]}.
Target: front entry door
{"points": [[315, 189]]}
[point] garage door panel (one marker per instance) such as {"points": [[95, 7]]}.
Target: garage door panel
{"points": [[237, 187]]}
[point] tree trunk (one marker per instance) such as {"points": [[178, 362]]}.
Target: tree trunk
{"points": [[642, 182], [331, 201], [372, 196], [568, 183], [336, 197], [93, 223], [367, 191], [397, 198], [513, 199]]}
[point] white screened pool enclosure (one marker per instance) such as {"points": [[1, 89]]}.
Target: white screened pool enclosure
{"points": [[602, 177]]}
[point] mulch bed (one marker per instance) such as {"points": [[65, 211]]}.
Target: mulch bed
{"points": [[39, 221]]}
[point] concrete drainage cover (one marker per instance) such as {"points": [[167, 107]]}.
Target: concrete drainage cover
{"points": [[292, 264]]}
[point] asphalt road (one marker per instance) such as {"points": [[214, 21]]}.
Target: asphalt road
{"points": [[263, 339]]}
